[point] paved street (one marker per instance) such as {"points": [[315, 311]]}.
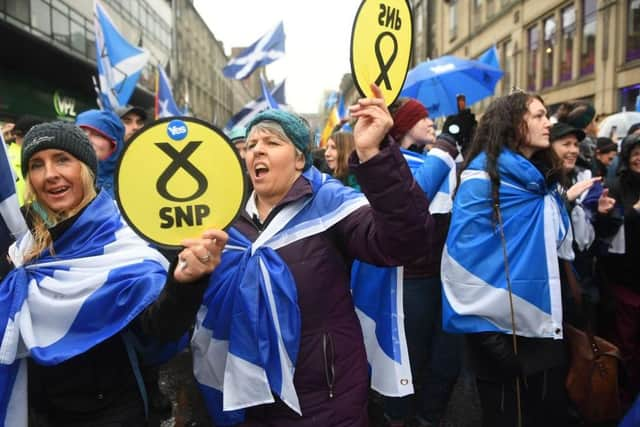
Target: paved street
{"points": [[176, 381]]}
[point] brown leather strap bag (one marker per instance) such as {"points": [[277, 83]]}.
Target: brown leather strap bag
{"points": [[592, 380]]}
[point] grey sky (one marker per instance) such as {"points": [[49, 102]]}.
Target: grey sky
{"points": [[317, 45]]}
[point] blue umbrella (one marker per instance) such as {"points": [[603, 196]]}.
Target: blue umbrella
{"points": [[436, 83]]}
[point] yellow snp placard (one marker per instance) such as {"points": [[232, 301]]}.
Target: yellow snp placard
{"points": [[177, 178], [381, 43]]}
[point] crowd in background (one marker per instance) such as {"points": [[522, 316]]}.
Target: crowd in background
{"points": [[530, 198]]}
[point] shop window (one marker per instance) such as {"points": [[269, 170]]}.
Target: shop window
{"points": [[507, 63], [18, 9], [532, 60], [453, 19], [567, 42], [547, 52], [41, 16], [60, 26], [477, 13], [633, 30], [588, 50], [77, 37], [491, 8]]}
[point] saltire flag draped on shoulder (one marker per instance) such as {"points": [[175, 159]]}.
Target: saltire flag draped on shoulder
{"points": [[435, 172], [247, 333], [61, 305], [249, 111], [266, 94], [119, 62], [12, 223], [165, 104], [264, 51], [475, 292]]}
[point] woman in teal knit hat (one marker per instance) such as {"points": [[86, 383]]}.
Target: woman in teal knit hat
{"points": [[299, 232]]}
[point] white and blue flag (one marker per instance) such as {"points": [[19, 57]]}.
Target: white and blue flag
{"points": [[165, 104], [119, 62], [249, 111], [12, 224], [535, 224], [266, 94], [247, 334], [435, 173], [59, 306], [265, 50]]}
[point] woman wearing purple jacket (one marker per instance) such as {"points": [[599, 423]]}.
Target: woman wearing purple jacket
{"points": [[327, 362]]}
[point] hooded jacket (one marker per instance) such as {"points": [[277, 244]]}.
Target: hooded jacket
{"points": [[109, 125]]}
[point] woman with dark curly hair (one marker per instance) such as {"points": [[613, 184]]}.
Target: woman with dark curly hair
{"points": [[500, 270]]}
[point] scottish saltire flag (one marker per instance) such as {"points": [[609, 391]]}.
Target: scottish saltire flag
{"points": [[332, 99], [12, 224], [266, 94], [378, 299], [475, 293], [264, 51], [165, 104], [435, 172], [61, 305], [249, 111], [490, 57], [119, 62], [248, 330]]}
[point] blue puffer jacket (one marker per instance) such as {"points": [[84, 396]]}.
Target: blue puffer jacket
{"points": [[109, 125]]}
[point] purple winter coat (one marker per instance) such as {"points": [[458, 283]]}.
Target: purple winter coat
{"points": [[331, 376]]}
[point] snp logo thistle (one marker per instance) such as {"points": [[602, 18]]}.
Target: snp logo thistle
{"points": [[177, 130]]}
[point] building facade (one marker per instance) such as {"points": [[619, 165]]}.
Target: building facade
{"points": [[48, 62], [199, 61], [48, 65], [563, 50]]}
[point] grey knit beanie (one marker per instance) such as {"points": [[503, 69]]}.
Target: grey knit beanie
{"points": [[63, 136]]}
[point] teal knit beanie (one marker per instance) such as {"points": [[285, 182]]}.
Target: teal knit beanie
{"points": [[294, 127]]}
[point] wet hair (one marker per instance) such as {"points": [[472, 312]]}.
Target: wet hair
{"points": [[344, 148], [503, 125]]}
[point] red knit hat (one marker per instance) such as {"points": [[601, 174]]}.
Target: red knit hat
{"points": [[406, 117]]}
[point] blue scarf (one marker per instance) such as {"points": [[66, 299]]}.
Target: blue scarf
{"points": [[247, 335], [60, 305]]}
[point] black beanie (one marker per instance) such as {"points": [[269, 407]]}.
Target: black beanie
{"points": [[63, 136]]}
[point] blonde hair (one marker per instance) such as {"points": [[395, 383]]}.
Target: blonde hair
{"points": [[344, 147], [41, 236]]}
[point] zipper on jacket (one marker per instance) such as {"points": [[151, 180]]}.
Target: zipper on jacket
{"points": [[329, 355]]}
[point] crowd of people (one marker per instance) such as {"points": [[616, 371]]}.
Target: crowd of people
{"points": [[506, 231]]}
